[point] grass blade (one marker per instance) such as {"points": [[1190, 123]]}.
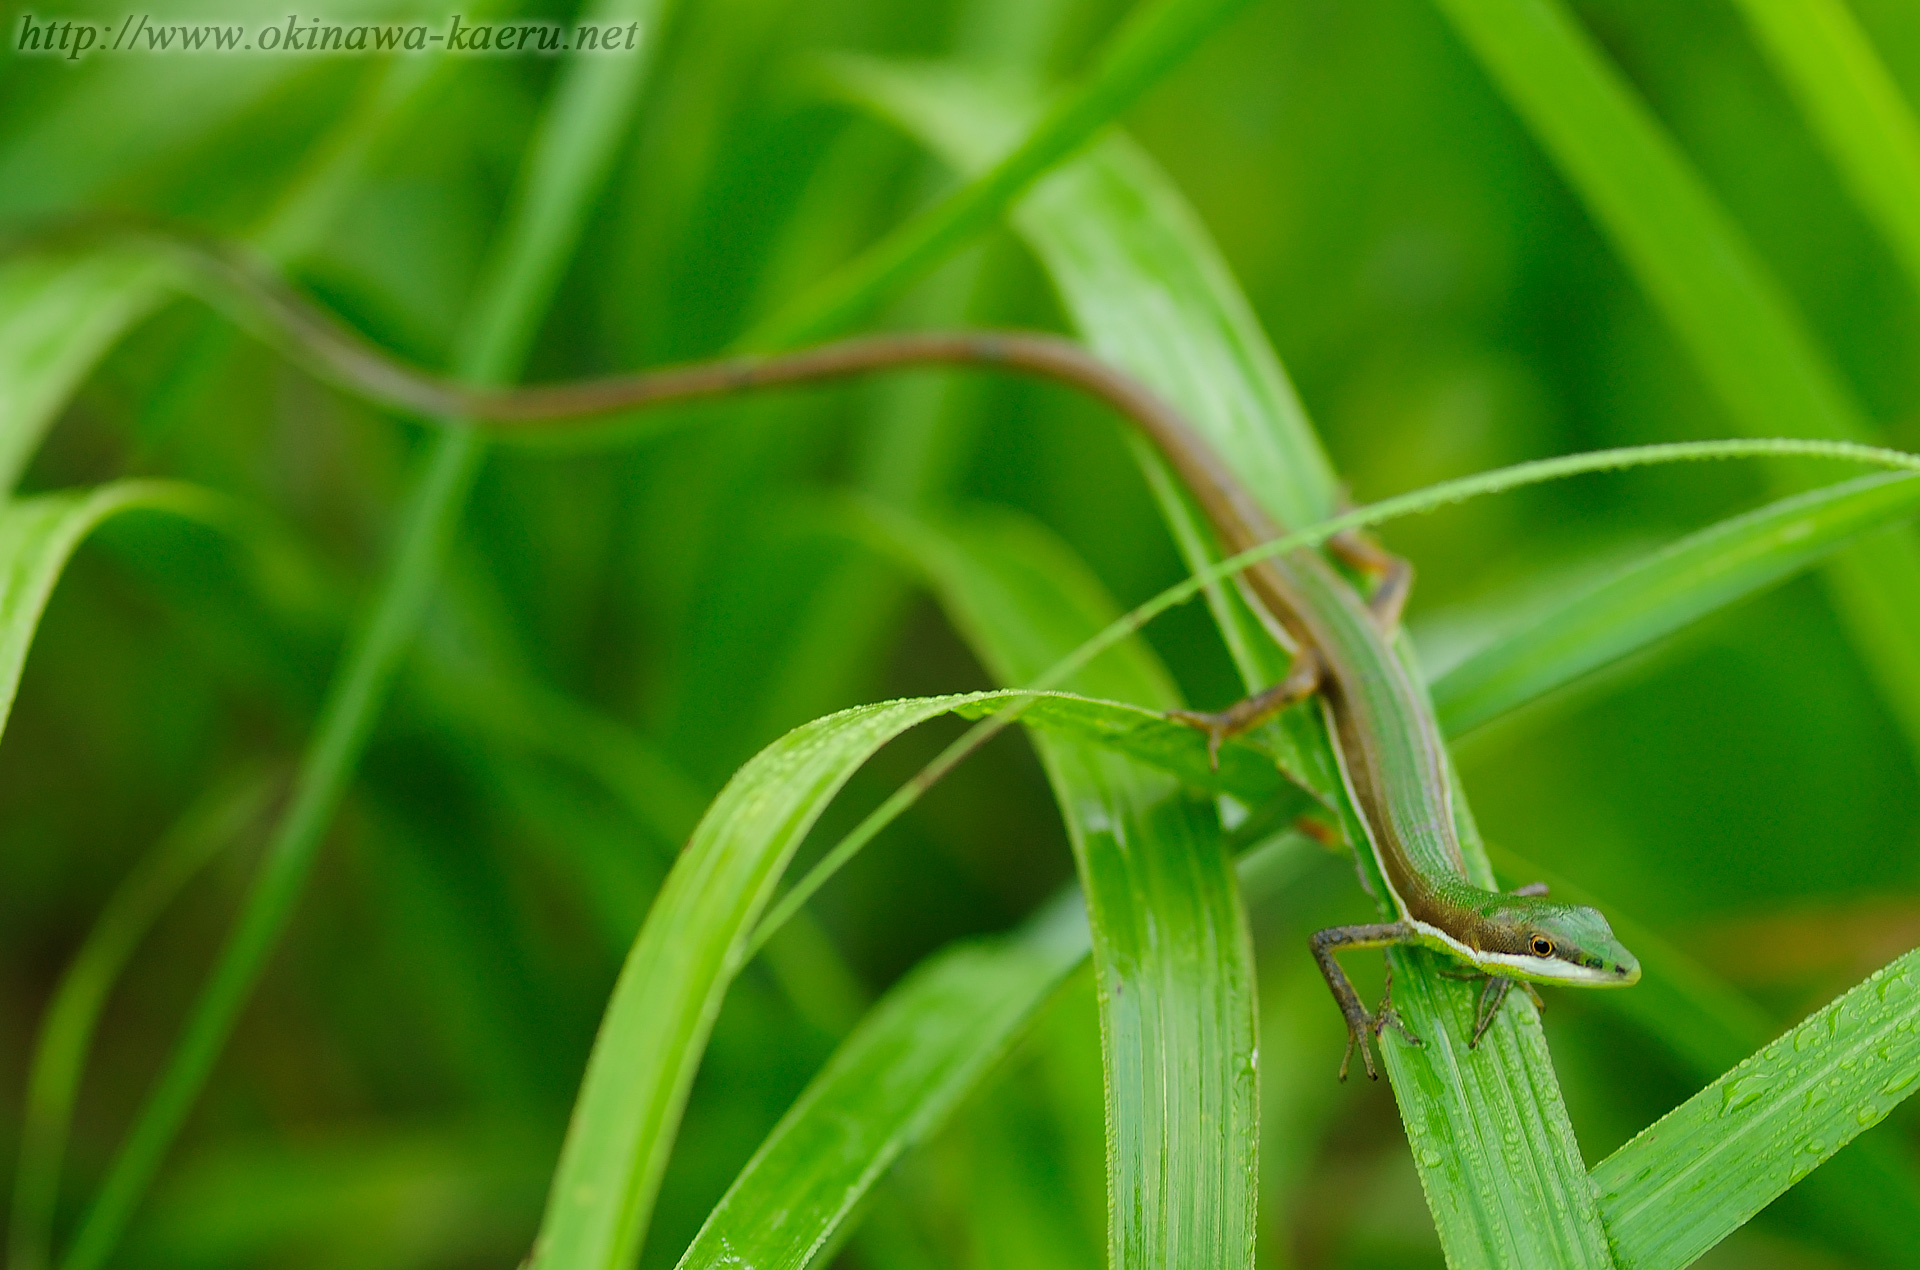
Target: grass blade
{"points": [[1152, 41], [1137, 273], [1654, 597], [1855, 109], [66, 1033], [1170, 946], [1705, 1168], [1730, 313], [1023, 600]]}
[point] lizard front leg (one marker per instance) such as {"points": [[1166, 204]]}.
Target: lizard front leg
{"points": [[1360, 1023], [1302, 681]]}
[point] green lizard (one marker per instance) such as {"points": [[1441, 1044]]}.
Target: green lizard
{"points": [[1384, 735]]}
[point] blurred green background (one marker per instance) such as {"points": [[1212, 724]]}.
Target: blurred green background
{"points": [[397, 1090]]}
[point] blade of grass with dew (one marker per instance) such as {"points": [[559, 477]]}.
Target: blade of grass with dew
{"points": [[1654, 597], [1172, 955], [1154, 38], [1727, 309], [1502, 1171], [571, 153], [38, 535], [1703, 1170], [1868, 1197], [215, 821], [1854, 108]]}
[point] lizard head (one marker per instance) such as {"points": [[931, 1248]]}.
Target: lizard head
{"points": [[1530, 938]]}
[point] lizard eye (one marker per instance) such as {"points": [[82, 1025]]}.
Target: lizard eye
{"points": [[1542, 946]]}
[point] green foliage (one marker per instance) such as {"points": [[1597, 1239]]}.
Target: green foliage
{"points": [[502, 736]]}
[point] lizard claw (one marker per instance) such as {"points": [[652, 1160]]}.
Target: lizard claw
{"points": [[1386, 1016], [1372, 1025]]}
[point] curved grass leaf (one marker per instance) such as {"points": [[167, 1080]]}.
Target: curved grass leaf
{"points": [[1731, 315], [1855, 109], [39, 534], [1656, 596], [670, 989], [1699, 1173], [1138, 275], [66, 1032]]}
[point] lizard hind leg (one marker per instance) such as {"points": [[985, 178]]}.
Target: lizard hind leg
{"points": [[1392, 576], [1302, 681]]}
